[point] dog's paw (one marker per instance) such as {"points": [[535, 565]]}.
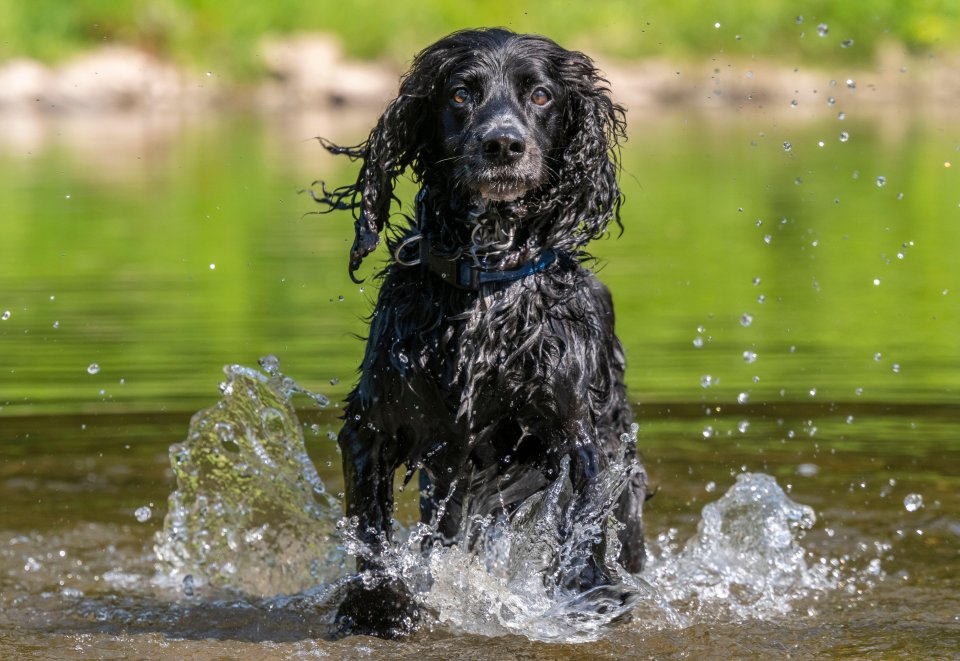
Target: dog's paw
{"points": [[384, 608]]}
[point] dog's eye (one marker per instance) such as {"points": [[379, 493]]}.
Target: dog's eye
{"points": [[540, 97], [460, 96]]}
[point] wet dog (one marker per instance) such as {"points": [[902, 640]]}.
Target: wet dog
{"points": [[491, 364]]}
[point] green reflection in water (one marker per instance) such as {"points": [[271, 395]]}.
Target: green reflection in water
{"points": [[163, 258]]}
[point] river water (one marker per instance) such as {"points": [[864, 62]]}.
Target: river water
{"points": [[790, 318]]}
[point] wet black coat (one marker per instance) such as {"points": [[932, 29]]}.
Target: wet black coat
{"points": [[486, 391]]}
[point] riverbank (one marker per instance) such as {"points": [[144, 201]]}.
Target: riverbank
{"points": [[310, 72]]}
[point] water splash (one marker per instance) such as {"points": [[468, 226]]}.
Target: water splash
{"points": [[251, 515], [250, 512], [745, 558], [519, 581]]}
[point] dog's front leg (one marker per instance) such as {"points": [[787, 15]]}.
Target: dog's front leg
{"points": [[378, 602], [574, 439], [368, 489]]}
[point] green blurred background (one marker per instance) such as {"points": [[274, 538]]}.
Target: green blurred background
{"points": [[163, 244], [200, 32]]}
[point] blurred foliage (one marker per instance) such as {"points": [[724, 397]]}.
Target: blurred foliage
{"points": [[223, 35]]}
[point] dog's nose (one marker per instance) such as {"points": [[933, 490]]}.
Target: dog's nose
{"points": [[503, 144]]}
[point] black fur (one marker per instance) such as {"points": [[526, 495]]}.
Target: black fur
{"points": [[514, 141]]}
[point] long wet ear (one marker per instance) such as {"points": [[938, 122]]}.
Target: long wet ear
{"points": [[396, 143], [590, 164], [387, 152]]}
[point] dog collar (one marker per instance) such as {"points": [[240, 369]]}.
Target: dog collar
{"points": [[465, 273]]}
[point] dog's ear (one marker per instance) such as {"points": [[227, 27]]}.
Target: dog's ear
{"points": [[595, 128], [386, 154], [396, 143]]}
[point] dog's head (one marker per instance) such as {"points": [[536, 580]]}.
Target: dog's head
{"points": [[492, 117]]}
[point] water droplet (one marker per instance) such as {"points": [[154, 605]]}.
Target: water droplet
{"points": [[402, 357], [823, 29], [188, 585], [743, 398], [858, 391], [56, 324], [750, 356], [270, 364], [93, 368], [213, 266], [799, 20], [332, 435], [881, 181], [341, 298], [850, 419], [143, 514], [820, 143], [334, 381], [767, 239], [706, 381], [896, 368], [787, 146], [807, 470], [756, 281], [698, 342], [717, 25], [813, 392], [877, 356], [743, 426], [851, 83], [746, 320], [912, 502], [846, 43], [710, 487], [794, 103], [876, 282], [5, 315], [844, 136], [707, 431], [761, 299], [831, 100]]}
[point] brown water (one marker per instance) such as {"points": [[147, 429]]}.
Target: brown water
{"points": [[163, 253], [80, 578]]}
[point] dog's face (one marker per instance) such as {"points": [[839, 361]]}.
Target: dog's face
{"points": [[501, 117], [486, 116]]}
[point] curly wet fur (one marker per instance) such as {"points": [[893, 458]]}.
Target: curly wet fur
{"points": [[497, 386]]}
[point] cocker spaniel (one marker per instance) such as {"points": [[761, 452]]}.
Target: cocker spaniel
{"points": [[491, 365]]}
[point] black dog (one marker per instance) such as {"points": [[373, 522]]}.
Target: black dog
{"points": [[491, 363]]}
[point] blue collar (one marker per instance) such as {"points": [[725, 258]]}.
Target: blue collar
{"points": [[465, 273]]}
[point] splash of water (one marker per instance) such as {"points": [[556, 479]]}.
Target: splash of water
{"points": [[745, 558], [517, 580], [250, 511], [250, 514]]}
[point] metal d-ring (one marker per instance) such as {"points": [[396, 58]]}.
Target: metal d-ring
{"points": [[404, 244]]}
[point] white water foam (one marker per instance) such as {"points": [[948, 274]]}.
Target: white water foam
{"points": [[251, 515]]}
